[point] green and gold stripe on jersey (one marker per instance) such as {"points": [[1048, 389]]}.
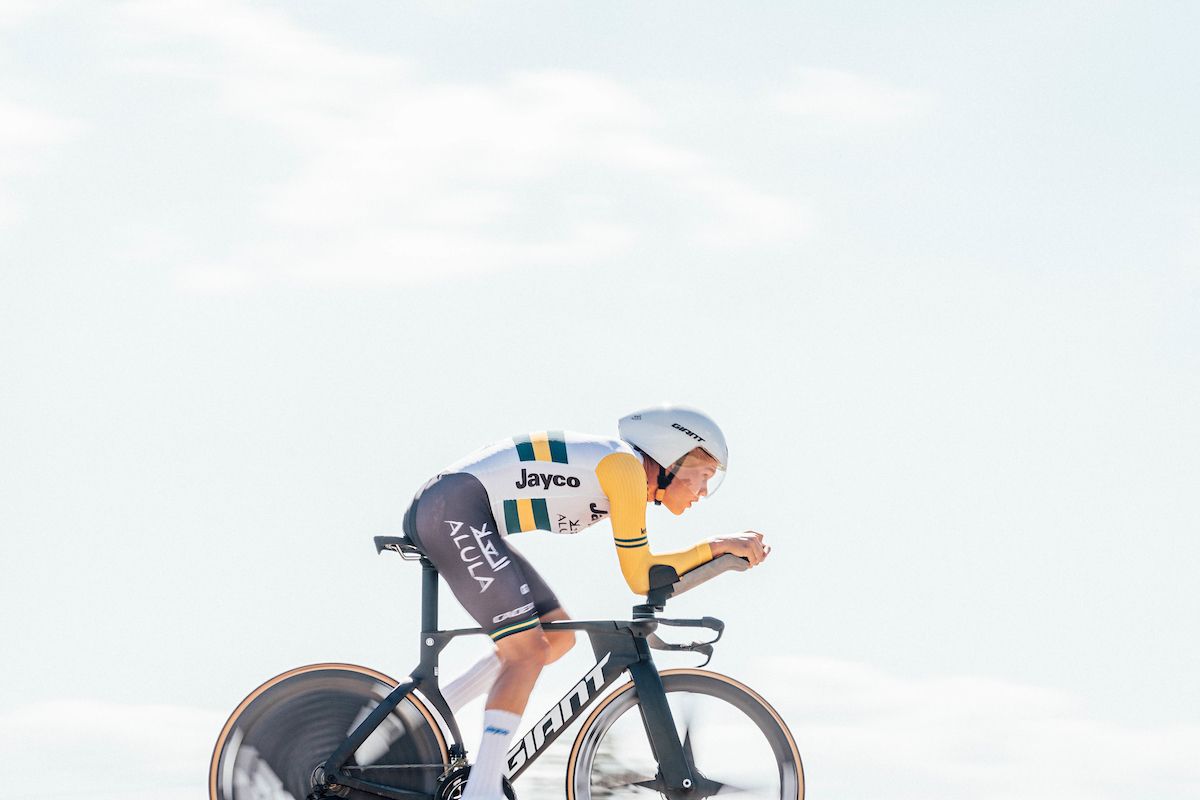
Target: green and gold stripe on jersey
{"points": [[542, 446], [526, 514], [517, 627], [637, 541]]}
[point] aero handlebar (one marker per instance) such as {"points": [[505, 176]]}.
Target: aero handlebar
{"points": [[706, 572]]}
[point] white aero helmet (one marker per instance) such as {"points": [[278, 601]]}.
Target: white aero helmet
{"points": [[667, 433]]}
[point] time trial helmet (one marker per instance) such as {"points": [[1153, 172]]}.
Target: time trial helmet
{"points": [[668, 433]]}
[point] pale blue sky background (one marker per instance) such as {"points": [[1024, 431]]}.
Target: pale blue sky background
{"points": [[935, 267]]}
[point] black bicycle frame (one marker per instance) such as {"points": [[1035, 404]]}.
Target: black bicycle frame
{"points": [[619, 646]]}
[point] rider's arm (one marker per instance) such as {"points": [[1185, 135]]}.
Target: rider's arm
{"points": [[624, 482]]}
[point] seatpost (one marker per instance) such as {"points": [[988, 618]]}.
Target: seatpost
{"points": [[429, 596]]}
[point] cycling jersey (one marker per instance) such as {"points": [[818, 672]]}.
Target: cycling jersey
{"points": [[543, 481], [555, 481]]}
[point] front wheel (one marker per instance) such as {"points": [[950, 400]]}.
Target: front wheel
{"points": [[737, 743], [275, 743]]}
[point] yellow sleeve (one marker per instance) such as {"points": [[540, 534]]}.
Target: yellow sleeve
{"points": [[624, 482]]}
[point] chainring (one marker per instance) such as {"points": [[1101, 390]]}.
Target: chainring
{"points": [[452, 785]]}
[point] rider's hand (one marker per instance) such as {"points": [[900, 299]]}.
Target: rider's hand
{"points": [[747, 544]]}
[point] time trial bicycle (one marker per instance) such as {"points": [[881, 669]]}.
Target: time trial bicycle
{"points": [[345, 731]]}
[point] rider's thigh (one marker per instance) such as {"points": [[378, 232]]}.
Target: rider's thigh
{"points": [[457, 532], [543, 597]]}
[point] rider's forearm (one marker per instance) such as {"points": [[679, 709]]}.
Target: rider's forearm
{"points": [[624, 483], [636, 563]]}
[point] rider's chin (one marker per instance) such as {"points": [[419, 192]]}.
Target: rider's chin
{"points": [[677, 511]]}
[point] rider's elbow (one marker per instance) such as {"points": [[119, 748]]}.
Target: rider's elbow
{"points": [[635, 568], [639, 583]]}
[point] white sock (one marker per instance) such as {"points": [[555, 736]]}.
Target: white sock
{"points": [[472, 683], [492, 757]]}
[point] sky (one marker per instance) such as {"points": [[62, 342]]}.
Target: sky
{"points": [[935, 267]]}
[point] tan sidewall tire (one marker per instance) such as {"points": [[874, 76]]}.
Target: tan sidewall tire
{"points": [[214, 765], [573, 758]]}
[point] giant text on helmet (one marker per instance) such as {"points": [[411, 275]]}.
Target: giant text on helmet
{"points": [[692, 434]]}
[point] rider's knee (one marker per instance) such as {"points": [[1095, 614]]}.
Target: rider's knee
{"points": [[561, 639], [525, 649], [560, 643]]}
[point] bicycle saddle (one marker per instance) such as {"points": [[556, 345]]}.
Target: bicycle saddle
{"points": [[400, 544]]}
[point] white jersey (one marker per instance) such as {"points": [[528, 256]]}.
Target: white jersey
{"points": [[544, 480]]}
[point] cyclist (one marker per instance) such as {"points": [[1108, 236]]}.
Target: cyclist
{"points": [[560, 482]]}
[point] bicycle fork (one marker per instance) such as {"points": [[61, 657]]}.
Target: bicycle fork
{"points": [[675, 770]]}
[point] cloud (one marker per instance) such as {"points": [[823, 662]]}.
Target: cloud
{"points": [[865, 733], [398, 178], [27, 133], [836, 99], [14, 12], [26, 136]]}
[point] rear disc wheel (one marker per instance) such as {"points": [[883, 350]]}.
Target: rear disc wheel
{"points": [[275, 744]]}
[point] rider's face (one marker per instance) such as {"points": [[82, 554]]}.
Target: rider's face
{"points": [[691, 481]]}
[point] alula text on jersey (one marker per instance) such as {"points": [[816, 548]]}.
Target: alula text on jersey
{"points": [[544, 480]]}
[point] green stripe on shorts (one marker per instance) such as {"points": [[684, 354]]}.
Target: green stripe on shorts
{"points": [[511, 629]]}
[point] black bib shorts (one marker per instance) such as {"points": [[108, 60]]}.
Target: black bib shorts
{"points": [[451, 520]]}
